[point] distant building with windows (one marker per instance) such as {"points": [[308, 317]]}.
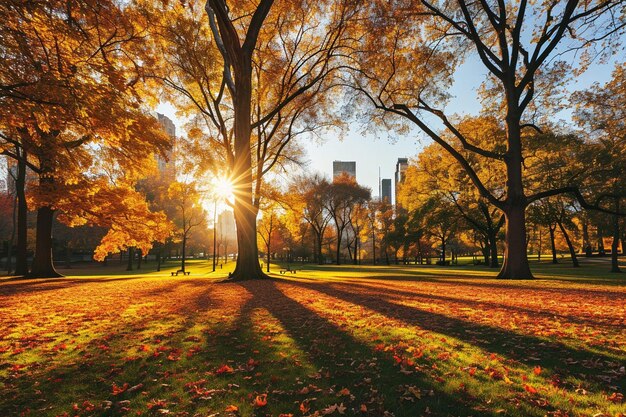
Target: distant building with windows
{"points": [[385, 185], [401, 167], [344, 167]]}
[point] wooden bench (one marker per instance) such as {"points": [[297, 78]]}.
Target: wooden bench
{"points": [[285, 270], [180, 271]]}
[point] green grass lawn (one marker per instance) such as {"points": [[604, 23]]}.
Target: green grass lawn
{"points": [[327, 340]]}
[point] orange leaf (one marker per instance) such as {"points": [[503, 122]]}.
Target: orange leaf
{"points": [[537, 370], [363, 408], [304, 407], [530, 389], [344, 392], [232, 408], [260, 400], [224, 369]]}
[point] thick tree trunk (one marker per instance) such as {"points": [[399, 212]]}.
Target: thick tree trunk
{"points": [[139, 258], [515, 265], [553, 244], [570, 246], [42, 263], [268, 255], [21, 247], [248, 266], [158, 259], [9, 263], [131, 255]]}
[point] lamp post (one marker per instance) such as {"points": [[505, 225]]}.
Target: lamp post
{"points": [[214, 233]]}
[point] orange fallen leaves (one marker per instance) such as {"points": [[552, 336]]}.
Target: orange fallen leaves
{"points": [[260, 400], [231, 408], [224, 369]]}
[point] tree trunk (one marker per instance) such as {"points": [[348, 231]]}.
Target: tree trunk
{"points": [[493, 249], [373, 246], [553, 244], [9, 263], [21, 247], [601, 250], [131, 255], [248, 266], [586, 240], [515, 265], [570, 246], [42, 263], [158, 258], [486, 250], [443, 251], [184, 253], [615, 244], [139, 258], [338, 249]]}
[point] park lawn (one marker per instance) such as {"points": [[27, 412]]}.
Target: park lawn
{"points": [[364, 341]]}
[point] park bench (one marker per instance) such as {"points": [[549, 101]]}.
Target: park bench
{"points": [[288, 269], [180, 271]]}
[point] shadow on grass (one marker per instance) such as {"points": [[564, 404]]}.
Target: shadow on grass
{"points": [[343, 361], [554, 355], [484, 304]]}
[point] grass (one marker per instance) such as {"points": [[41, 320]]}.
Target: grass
{"points": [[328, 340]]}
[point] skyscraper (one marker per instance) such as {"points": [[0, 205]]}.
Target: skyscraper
{"points": [[386, 190], [347, 167], [401, 166]]}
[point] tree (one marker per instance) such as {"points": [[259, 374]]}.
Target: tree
{"points": [[76, 104], [518, 45], [258, 73], [188, 215], [343, 196], [307, 198], [268, 227]]}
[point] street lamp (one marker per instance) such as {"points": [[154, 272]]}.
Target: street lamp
{"points": [[222, 189]]}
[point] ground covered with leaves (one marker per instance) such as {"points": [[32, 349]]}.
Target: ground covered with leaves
{"points": [[357, 344]]}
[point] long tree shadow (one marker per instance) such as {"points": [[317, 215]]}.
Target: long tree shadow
{"points": [[343, 361], [416, 295], [551, 354]]}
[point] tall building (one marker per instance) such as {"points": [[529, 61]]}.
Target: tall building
{"points": [[401, 167], [344, 167], [385, 189], [170, 129]]}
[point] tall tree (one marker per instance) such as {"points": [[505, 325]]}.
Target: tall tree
{"points": [[258, 73], [518, 45]]}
